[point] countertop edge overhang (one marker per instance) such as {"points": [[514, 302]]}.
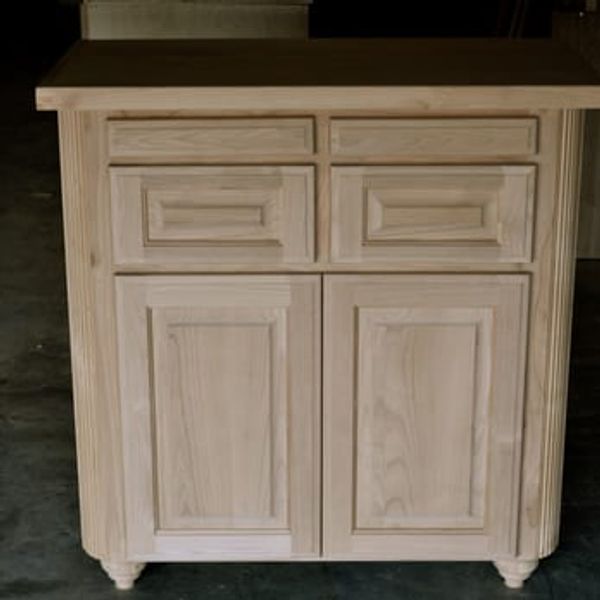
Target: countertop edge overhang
{"points": [[320, 74], [312, 98]]}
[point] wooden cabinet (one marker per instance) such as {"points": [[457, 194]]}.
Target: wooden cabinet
{"points": [[423, 402], [226, 227], [220, 380]]}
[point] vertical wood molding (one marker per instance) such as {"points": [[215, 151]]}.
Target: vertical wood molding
{"points": [[565, 239], [93, 333]]}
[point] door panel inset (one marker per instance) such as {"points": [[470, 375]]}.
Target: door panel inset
{"points": [[423, 395], [220, 400]]}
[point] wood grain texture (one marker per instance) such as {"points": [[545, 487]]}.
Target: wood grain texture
{"points": [[229, 99], [432, 511], [320, 74], [220, 419], [549, 334], [559, 336], [451, 213], [422, 406], [389, 375], [219, 396], [362, 138], [217, 215], [188, 140], [93, 334]]}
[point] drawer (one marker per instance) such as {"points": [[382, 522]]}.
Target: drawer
{"points": [[212, 215], [449, 213], [195, 139], [414, 138]]}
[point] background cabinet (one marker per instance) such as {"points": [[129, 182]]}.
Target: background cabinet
{"points": [[171, 19], [220, 382]]}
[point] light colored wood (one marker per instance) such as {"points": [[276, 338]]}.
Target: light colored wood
{"points": [[559, 323], [494, 495], [431, 266], [313, 98], [174, 19], [451, 213], [188, 140], [123, 574], [213, 214], [220, 401], [405, 403], [90, 286], [415, 438], [399, 138], [516, 572], [321, 74]]}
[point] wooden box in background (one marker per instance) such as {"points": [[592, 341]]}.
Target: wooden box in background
{"points": [[173, 19]]}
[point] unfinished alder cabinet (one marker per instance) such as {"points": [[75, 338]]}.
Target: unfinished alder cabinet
{"points": [[320, 312], [423, 404], [219, 387]]}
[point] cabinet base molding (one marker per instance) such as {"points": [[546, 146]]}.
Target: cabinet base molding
{"points": [[123, 574], [516, 572]]}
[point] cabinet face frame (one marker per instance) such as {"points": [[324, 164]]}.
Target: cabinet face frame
{"points": [[264, 496], [485, 315], [91, 275]]}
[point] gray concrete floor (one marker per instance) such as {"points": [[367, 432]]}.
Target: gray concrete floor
{"points": [[40, 554]]}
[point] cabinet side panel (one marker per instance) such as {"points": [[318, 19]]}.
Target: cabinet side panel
{"points": [[559, 340], [93, 333]]}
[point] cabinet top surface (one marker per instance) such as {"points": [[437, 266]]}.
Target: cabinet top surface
{"points": [[467, 73]]}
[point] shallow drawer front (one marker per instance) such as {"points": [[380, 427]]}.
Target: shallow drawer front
{"points": [[433, 137], [213, 215], [189, 139], [466, 214]]}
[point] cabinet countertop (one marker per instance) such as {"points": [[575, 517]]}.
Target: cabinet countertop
{"points": [[320, 74]]}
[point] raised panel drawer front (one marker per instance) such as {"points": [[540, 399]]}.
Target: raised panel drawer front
{"points": [[220, 385], [450, 213], [196, 139], [423, 402], [212, 214], [417, 138]]}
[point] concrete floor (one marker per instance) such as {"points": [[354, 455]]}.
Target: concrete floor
{"points": [[40, 554]]}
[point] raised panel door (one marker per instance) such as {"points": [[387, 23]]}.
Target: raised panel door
{"points": [[423, 397], [220, 403]]}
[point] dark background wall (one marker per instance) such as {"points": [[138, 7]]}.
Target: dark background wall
{"points": [[43, 29], [431, 18]]}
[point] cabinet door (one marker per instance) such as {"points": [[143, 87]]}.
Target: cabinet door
{"points": [[220, 384], [423, 397]]}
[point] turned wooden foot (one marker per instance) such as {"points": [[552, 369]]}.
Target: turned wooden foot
{"points": [[515, 572], [123, 574]]}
